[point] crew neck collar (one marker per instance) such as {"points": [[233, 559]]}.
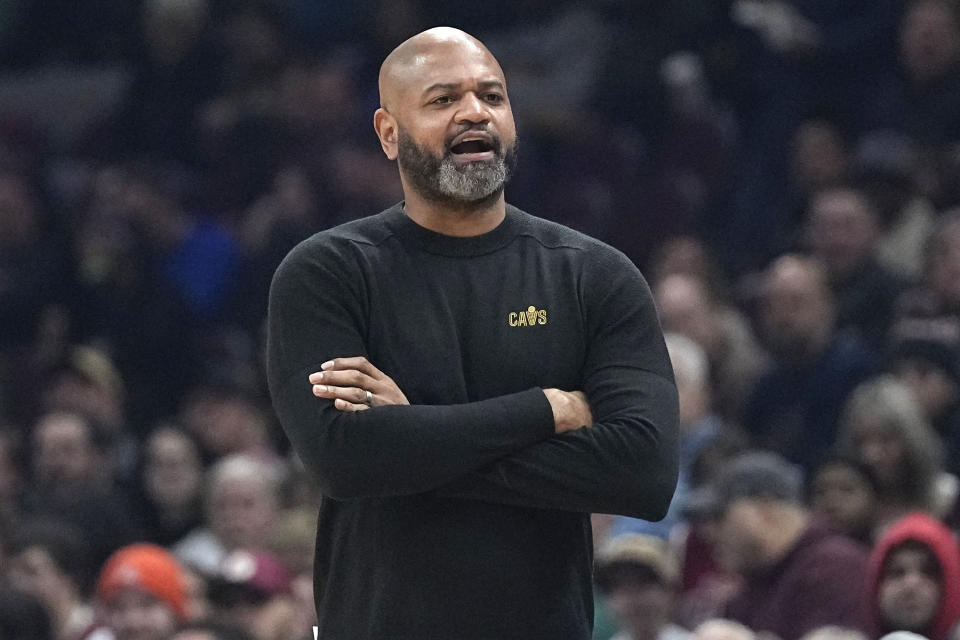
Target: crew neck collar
{"points": [[454, 246]]}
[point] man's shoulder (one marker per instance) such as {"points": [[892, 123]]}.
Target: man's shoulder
{"points": [[553, 235], [371, 230], [335, 243]]}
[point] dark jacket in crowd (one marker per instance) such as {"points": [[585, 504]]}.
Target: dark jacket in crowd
{"points": [[819, 582]]}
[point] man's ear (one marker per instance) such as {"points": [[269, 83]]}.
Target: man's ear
{"points": [[386, 128]]}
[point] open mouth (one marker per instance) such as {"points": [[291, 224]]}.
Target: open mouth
{"points": [[471, 147]]}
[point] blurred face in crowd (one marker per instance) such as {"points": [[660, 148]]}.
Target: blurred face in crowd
{"points": [[740, 532], [929, 41], [910, 589], [819, 155], [881, 448], [797, 310], [844, 499], [685, 307], [639, 604], [842, 230], [682, 255], [223, 423], [446, 119], [64, 452], [945, 263], [241, 512], [173, 473], [135, 615]]}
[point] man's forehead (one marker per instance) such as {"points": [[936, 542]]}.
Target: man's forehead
{"points": [[446, 64], [437, 56]]}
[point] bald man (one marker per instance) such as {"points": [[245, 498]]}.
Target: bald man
{"points": [[466, 382]]}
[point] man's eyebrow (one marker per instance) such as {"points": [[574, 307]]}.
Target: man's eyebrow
{"points": [[451, 86]]}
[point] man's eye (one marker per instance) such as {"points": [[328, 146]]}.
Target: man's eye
{"points": [[442, 100], [493, 97]]}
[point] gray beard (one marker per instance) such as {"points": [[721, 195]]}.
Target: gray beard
{"points": [[440, 179]]}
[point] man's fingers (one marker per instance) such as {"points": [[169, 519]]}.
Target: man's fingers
{"points": [[343, 378], [359, 363], [343, 405], [350, 394]]}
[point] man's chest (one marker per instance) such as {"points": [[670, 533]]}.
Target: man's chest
{"points": [[465, 333]]}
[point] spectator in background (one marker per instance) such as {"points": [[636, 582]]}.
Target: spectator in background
{"points": [[73, 480], [32, 270], [171, 485], [687, 305], [293, 542], [843, 230], [194, 255], [819, 158], [887, 165], [124, 304], [140, 593], [915, 578], [930, 368], [793, 57], [797, 574], [222, 413], [87, 382], [637, 577], [252, 589], [698, 427], [929, 48], [794, 407], [845, 494], [51, 561], [34, 280], [177, 68], [242, 503], [931, 310], [884, 427], [706, 585]]}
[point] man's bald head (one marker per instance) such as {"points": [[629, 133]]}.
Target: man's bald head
{"points": [[414, 57]]}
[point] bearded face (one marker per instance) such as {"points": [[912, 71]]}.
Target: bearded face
{"points": [[471, 172]]}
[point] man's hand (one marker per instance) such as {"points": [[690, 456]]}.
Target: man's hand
{"points": [[570, 409], [346, 381]]}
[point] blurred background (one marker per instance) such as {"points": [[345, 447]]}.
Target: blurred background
{"points": [[786, 173]]}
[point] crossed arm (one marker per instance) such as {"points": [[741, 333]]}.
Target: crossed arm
{"points": [[346, 381], [530, 448]]}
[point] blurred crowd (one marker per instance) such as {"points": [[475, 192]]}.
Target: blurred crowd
{"points": [[784, 172]]}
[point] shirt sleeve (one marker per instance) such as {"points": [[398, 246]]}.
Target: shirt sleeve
{"points": [[627, 461], [316, 313]]}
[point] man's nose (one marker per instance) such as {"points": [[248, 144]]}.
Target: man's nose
{"points": [[472, 109]]}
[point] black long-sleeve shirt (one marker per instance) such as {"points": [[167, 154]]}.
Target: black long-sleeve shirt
{"points": [[463, 515]]}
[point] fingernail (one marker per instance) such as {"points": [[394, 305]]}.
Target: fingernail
{"points": [[327, 364], [320, 388]]}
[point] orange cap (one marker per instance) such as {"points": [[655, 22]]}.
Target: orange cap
{"points": [[148, 568]]}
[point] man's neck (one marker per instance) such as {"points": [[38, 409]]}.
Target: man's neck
{"points": [[452, 221]]}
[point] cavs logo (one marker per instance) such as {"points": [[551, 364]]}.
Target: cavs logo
{"points": [[527, 318]]}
